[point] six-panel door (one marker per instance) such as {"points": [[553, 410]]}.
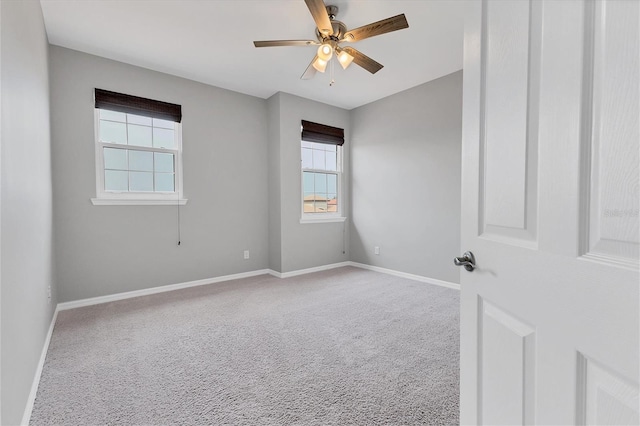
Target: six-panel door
{"points": [[549, 319]]}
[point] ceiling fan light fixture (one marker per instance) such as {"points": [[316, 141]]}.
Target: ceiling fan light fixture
{"points": [[345, 59], [320, 64], [325, 52]]}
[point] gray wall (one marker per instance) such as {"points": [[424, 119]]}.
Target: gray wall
{"points": [[103, 250], [25, 199], [242, 179], [311, 244], [405, 173]]}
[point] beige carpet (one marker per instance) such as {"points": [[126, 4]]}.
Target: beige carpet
{"points": [[345, 346]]}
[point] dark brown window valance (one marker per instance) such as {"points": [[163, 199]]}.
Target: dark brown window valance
{"points": [[314, 132], [137, 105]]}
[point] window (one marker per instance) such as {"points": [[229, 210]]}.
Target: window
{"points": [[138, 150], [321, 149]]}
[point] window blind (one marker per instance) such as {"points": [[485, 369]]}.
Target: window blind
{"points": [[320, 133], [136, 105]]}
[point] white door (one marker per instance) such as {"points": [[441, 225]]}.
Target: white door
{"points": [[549, 319]]}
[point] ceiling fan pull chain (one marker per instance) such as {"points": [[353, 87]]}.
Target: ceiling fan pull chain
{"points": [[333, 81]]}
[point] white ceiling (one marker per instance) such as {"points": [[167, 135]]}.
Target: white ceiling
{"points": [[211, 41]]}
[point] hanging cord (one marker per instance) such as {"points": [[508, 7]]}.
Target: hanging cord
{"points": [[178, 209], [344, 237], [177, 189]]}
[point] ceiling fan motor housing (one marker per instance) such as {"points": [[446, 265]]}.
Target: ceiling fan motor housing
{"points": [[339, 28]]}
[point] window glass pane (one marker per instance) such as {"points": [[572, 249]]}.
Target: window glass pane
{"points": [[163, 162], [138, 119], [316, 145], [164, 182], [332, 183], [332, 163], [139, 135], [320, 183], [318, 159], [330, 148], [141, 160], [332, 204], [307, 158], [115, 181], [112, 115], [113, 132], [140, 181], [165, 124], [163, 138], [321, 205], [308, 206], [307, 178], [115, 158], [306, 144]]}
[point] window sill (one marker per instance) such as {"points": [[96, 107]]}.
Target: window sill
{"points": [[334, 219], [137, 202]]}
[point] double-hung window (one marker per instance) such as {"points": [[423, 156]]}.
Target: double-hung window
{"points": [[321, 158], [138, 150]]}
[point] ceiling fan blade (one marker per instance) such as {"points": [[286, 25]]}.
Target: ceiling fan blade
{"points": [[319, 12], [310, 72], [275, 43], [363, 60], [388, 25]]}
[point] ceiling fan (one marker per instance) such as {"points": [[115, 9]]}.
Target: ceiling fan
{"points": [[331, 33]]}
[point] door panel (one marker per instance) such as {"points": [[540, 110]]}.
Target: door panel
{"points": [[613, 233], [510, 78], [607, 398], [507, 371], [549, 319]]}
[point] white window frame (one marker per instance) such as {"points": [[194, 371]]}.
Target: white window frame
{"points": [[323, 217], [104, 197]]}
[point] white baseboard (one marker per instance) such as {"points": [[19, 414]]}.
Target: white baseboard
{"points": [[414, 277], [154, 290], [171, 287], [420, 278], [26, 417], [308, 270]]}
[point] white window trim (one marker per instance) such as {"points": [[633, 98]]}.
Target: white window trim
{"points": [[308, 218], [114, 198], [332, 219]]}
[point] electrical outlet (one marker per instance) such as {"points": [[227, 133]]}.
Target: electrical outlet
{"points": [[49, 293], [246, 254], [376, 250]]}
